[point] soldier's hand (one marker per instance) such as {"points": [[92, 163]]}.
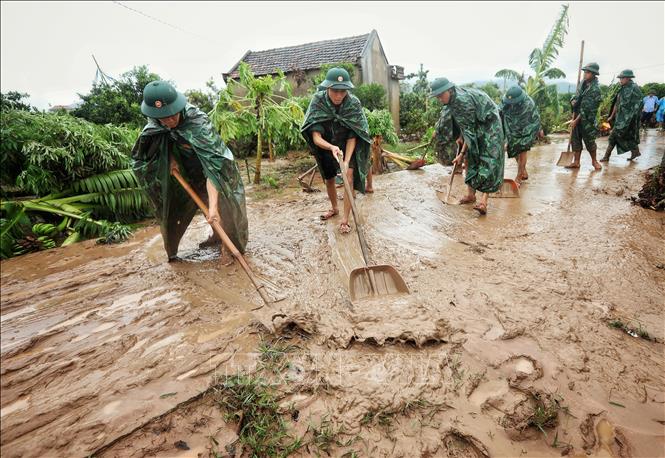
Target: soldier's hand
{"points": [[458, 159], [336, 152], [173, 166]]}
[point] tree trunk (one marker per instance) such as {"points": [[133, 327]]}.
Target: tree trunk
{"points": [[259, 153], [377, 160], [259, 145], [272, 158]]}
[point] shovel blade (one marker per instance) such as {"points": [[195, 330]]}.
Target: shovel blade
{"points": [[386, 278], [509, 188], [443, 196], [415, 165], [565, 159]]}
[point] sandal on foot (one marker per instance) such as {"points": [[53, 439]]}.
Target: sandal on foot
{"points": [[344, 228], [329, 214], [467, 200], [481, 208]]}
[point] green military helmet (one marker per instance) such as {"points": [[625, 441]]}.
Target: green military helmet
{"points": [[337, 78], [161, 100], [439, 86], [627, 73], [592, 67], [514, 95]]}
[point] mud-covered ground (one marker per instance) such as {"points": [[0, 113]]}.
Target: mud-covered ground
{"points": [[548, 313]]}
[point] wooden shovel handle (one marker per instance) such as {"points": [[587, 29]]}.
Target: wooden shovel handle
{"points": [[222, 235]]}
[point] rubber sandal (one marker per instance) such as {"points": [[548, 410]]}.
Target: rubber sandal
{"points": [[480, 208], [328, 215]]}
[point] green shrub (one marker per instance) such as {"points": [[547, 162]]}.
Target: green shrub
{"points": [[372, 96]]}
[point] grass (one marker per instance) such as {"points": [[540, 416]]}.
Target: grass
{"points": [[324, 435], [630, 330], [546, 413], [251, 402], [272, 355]]}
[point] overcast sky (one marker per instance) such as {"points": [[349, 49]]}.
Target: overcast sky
{"points": [[47, 46]]}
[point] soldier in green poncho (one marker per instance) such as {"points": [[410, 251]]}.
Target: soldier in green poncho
{"points": [[625, 112], [479, 124], [180, 136], [335, 127], [521, 126], [585, 121]]}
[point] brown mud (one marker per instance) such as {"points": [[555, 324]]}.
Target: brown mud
{"points": [[503, 347]]}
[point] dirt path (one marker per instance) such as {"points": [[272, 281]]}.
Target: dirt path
{"points": [[111, 345]]}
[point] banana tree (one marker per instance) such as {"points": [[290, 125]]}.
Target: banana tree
{"points": [[251, 105], [541, 60], [116, 195]]}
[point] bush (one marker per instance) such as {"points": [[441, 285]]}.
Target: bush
{"points": [[658, 88], [42, 153], [372, 96], [381, 123]]}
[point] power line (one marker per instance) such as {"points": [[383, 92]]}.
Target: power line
{"points": [[180, 29]]}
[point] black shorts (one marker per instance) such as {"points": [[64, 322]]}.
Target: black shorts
{"points": [[646, 116], [328, 165]]}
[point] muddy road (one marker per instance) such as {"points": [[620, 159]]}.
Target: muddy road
{"points": [[536, 307]]}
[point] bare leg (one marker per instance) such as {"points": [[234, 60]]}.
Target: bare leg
{"points": [[518, 177], [608, 152], [576, 161], [344, 226], [368, 185], [481, 206], [331, 190], [470, 196], [594, 162]]}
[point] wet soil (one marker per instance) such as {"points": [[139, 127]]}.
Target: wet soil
{"points": [[111, 349]]}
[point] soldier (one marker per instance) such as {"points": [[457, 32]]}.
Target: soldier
{"points": [[521, 125], [335, 126], [477, 118], [180, 136], [625, 112], [585, 105]]}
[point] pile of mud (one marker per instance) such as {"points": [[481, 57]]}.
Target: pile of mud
{"points": [[652, 194]]}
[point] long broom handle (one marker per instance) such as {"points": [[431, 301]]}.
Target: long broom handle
{"points": [[579, 78], [222, 235]]}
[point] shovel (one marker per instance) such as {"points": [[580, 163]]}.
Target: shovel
{"points": [[307, 186], [222, 235], [370, 281], [445, 196], [566, 157]]}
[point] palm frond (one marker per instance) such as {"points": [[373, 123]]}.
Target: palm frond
{"points": [[554, 73], [554, 40], [508, 74]]}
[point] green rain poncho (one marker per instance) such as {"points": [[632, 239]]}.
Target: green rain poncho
{"points": [[521, 124], [201, 154], [351, 115], [626, 129], [445, 129], [478, 119], [586, 103]]}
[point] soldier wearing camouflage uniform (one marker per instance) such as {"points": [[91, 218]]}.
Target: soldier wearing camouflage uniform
{"points": [[521, 126], [477, 118], [626, 111], [585, 122]]}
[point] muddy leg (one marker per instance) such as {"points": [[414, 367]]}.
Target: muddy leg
{"points": [[518, 177], [524, 176], [576, 161], [634, 153], [608, 152], [368, 184], [594, 162], [470, 196], [331, 190]]}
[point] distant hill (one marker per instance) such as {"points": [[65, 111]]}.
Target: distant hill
{"points": [[562, 86]]}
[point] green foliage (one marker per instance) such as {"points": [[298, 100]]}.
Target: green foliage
{"points": [[381, 123], [541, 61], [607, 93], [13, 100], [658, 88], [417, 111], [251, 107], [372, 96], [321, 76], [490, 88], [119, 102], [253, 403], [43, 153]]}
